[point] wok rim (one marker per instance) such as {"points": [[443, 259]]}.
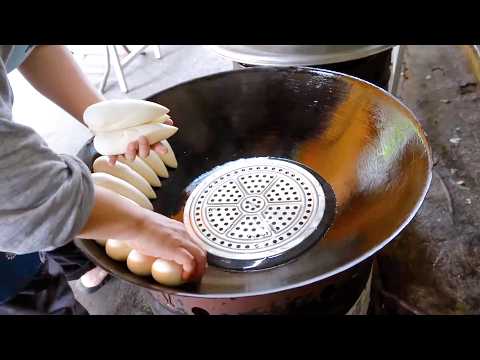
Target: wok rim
{"points": [[347, 266]]}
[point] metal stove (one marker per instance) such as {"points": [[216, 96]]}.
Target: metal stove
{"points": [[360, 139], [355, 60]]}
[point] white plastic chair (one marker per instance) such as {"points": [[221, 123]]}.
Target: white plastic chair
{"points": [[119, 64]]}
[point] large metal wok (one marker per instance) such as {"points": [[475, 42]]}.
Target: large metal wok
{"points": [[366, 144]]}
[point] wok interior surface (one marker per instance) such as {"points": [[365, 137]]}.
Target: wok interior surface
{"points": [[362, 141]]}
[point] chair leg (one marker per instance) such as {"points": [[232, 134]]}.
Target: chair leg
{"points": [[133, 54], [125, 47], [156, 51], [107, 71], [117, 67]]}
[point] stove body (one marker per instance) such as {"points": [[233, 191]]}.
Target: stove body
{"points": [[344, 293]]}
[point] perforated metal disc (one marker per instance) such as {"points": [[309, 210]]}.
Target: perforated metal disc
{"points": [[256, 213]]}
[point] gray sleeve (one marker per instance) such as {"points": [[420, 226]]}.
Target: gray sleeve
{"points": [[45, 198]]}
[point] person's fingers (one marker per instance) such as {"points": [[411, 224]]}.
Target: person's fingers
{"points": [[197, 243], [200, 259], [112, 159], [132, 149], [159, 148], [179, 226], [182, 257], [143, 147]]}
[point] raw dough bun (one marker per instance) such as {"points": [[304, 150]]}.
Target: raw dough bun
{"points": [[101, 242], [123, 188], [140, 264], [127, 199], [124, 172], [167, 272], [117, 249], [153, 160], [111, 115], [141, 167], [169, 158], [116, 142], [160, 120]]}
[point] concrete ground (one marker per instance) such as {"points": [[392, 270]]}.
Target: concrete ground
{"points": [[433, 266]]}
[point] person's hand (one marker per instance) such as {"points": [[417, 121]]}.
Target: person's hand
{"points": [[165, 238], [142, 148]]}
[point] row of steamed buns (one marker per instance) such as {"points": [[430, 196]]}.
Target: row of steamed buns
{"points": [[116, 123]]}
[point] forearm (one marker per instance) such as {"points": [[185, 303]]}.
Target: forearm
{"points": [[52, 70], [113, 217], [151, 234]]}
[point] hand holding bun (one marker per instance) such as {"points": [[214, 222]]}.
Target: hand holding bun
{"points": [[131, 135]]}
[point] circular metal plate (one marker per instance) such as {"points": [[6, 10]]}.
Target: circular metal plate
{"points": [[256, 213]]}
